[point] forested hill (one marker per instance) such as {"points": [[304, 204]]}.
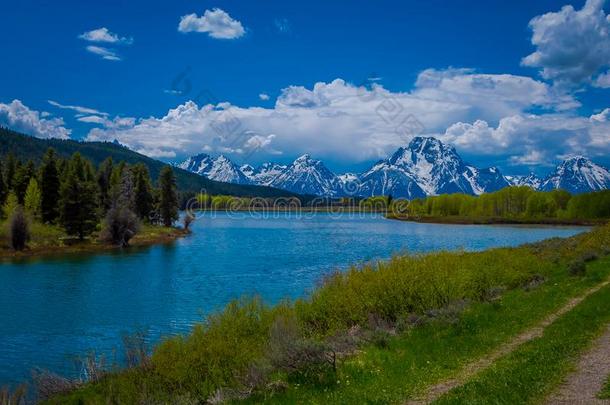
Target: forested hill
{"points": [[25, 147]]}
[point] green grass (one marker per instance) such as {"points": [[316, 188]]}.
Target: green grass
{"points": [[528, 374], [436, 351], [605, 393], [240, 342]]}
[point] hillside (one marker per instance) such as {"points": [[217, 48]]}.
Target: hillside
{"points": [[25, 147]]}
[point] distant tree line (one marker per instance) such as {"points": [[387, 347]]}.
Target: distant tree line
{"points": [[515, 203], [80, 198]]}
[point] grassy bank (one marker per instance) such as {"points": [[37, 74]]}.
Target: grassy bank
{"points": [[47, 240], [378, 333]]}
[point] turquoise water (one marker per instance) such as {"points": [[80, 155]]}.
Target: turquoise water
{"points": [[53, 310]]}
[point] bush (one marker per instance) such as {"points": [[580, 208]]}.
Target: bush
{"points": [[19, 229], [577, 268], [120, 225]]}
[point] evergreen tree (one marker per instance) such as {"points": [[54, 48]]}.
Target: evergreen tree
{"points": [[168, 199], [144, 199], [11, 166], [3, 187], [104, 174], [33, 199], [78, 198], [49, 187], [23, 175]]}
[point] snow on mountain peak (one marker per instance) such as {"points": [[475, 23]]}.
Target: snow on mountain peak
{"points": [[426, 166]]}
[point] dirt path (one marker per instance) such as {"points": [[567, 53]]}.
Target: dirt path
{"points": [[583, 385], [439, 389]]}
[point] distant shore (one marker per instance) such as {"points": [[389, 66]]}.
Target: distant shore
{"points": [[457, 220]]}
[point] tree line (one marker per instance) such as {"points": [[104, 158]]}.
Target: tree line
{"points": [[515, 203], [72, 193]]}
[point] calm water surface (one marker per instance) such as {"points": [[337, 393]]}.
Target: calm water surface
{"points": [[53, 310]]}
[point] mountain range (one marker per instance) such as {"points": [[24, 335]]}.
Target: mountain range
{"points": [[426, 166]]}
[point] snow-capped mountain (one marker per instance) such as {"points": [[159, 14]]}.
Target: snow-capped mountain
{"points": [[429, 167], [531, 180], [424, 167], [219, 169], [577, 175], [307, 176], [264, 174]]}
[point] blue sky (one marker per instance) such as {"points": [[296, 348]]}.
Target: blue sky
{"points": [[457, 68]]}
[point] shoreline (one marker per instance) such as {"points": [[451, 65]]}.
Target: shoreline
{"points": [[498, 221], [151, 235]]}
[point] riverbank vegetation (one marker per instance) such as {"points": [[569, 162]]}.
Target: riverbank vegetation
{"points": [[67, 204], [381, 332], [509, 205]]}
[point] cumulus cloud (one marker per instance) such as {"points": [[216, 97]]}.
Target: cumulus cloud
{"points": [[105, 53], [104, 35], [264, 96], [339, 120], [19, 117], [571, 45], [534, 139], [216, 23]]}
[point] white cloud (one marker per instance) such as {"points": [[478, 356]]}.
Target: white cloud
{"points": [[216, 22], [341, 121], [264, 96], [534, 139], [602, 116], [19, 117], [603, 80], [77, 108], [105, 53], [571, 45], [104, 35]]}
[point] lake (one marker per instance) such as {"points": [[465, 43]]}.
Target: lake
{"points": [[53, 310]]}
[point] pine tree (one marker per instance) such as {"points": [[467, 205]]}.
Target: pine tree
{"points": [[104, 174], [144, 199], [11, 164], [33, 199], [49, 187], [3, 187], [78, 198], [168, 199], [23, 174]]}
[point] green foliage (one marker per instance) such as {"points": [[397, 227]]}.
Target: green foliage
{"points": [[605, 394], [78, 198], [511, 203], [168, 198], [144, 200], [33, 199], [3, 186], [10, 205], [21, 180], [49, 187], [104, 173]]}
